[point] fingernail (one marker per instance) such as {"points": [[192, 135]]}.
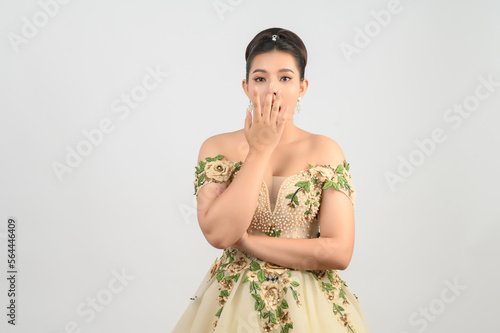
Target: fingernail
{"points": [[271, 86]]}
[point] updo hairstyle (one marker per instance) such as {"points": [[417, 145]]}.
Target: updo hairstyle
{"points": [[286, 41]]}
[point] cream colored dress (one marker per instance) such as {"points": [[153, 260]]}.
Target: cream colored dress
{"points": [[242, 293]]}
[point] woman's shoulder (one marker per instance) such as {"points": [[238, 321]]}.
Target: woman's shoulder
{"points": [[221, 144], [325, 141], [327, 150]]}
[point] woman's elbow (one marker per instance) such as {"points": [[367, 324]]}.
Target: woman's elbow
{"points": [[213, 240], [345, 259], [344, 263], [211, 233], [218, 241]]}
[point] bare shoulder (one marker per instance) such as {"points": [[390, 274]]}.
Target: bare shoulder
{"points": [[327, 151], [216, 145]]}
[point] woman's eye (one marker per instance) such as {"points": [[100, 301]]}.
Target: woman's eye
{"points": [[261, 79]]}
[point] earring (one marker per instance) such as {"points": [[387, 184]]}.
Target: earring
{"points": [[250, 105], [298, 104]]}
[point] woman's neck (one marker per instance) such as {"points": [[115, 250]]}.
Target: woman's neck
{"points": [[290, 133]]}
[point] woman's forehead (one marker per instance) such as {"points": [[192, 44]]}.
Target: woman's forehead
{"points": [[274, 60]]}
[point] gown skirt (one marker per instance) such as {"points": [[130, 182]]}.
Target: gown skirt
{"points": [[310, 303]]}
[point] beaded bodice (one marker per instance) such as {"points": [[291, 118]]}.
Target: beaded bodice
{"points": [[294, 214], [286, 216]]}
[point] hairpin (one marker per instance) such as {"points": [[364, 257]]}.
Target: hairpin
{"points": [[274, 37]]}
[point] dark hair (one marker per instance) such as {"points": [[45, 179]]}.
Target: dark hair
{"points": [[286, 41]]}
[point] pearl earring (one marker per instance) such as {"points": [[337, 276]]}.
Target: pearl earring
{"points": [[250, 105], [298, 104]]}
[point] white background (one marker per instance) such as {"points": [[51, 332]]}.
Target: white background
{"points": [[128, 206]]}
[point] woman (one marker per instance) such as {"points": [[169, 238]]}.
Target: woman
{"points": [[276, 274]]}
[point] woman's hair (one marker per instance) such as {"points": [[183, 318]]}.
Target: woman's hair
{"points": [[286, 41]]}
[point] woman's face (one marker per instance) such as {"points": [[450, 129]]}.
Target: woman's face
{"points": [[280, 69]]}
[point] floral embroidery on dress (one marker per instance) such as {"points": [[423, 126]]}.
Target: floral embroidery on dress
{"points": [[227, 263], [214, 170], [319, 177], [331, 285], [268, 283], [326, 176]]}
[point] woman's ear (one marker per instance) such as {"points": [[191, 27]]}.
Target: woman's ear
{"points": [[245, 87], [304, 84]]}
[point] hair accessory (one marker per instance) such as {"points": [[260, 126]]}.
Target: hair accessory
{"points": [[250, 105], [274, 38], [298, 104]]}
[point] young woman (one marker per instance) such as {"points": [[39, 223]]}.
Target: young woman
{"points": [[264, 192]]}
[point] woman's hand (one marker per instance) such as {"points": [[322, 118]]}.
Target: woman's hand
{"points": [[264, 131], [221, 189], [241, 243]]}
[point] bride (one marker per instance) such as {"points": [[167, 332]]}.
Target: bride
{"points": [[279, 201]]}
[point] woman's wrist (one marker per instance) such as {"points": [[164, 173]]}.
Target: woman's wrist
{"points": [[242, 242], [262, 155]]}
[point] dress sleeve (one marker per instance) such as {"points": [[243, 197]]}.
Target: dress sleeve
{"points": [[214, 170], [337, 177]]}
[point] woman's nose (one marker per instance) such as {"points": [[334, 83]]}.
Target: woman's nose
{"points": [[275, 87]]}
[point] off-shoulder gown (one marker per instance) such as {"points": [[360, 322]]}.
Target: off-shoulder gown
{"points": [[241, 293]]}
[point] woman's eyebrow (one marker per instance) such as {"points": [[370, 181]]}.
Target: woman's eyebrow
{"points": [[281, 70]]}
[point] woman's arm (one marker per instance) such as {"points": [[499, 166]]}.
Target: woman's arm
{"points": [[332, 251], [224, 217], [302, 254], [335, 247]]}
